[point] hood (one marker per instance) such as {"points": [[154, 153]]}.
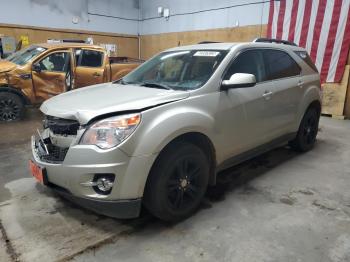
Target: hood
{"points": [[6, 66], [89, 102]]}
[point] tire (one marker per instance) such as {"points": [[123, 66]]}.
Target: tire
{"points": [[11, 107], [177, 182], [306, 136]]}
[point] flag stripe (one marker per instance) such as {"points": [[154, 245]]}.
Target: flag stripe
{"points": [[274, 19], [324, 34], [330, 41], [314, 9], [269, 28], [317, 30], [322, 27], [344, 51], [305, 25], [298, 25], [293, 20], [280, 19], [338, 42], [287, 18]]}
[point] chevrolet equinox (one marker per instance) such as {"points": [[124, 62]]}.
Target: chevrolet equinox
{"points": [[160, 135]]}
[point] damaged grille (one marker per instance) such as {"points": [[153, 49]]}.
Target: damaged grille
{"points": [[55, 153], [60, 126]]}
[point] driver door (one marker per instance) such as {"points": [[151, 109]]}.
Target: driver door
{"points": [[52, 75], [246, 108]]}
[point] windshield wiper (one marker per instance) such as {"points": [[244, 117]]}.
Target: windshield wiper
{"points": [[155, 85]]}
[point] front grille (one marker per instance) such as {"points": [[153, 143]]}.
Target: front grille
{"points": [[60, 126], [55, 154]]}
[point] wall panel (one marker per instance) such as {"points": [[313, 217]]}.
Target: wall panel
{"points": [[127, 45], [152, 44]]}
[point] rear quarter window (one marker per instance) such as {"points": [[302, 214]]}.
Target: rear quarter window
{"points": [[280, 65], [307, 59]]}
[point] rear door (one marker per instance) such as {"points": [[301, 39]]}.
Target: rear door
{"points": [[90, 67], [52, 76], [284, 75]]}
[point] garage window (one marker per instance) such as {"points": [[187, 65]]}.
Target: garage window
{"points": [[89, 58]]}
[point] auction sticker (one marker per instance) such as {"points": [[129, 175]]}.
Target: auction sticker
{"points": [[206, 53]]}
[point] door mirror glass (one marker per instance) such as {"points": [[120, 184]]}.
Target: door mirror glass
{"points": [[36, 68], [239, 80]]}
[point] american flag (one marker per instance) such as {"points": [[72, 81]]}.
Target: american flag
{"points": [[322, 27]]}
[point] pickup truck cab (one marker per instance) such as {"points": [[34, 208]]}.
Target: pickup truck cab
{"points": [[41, 71]]}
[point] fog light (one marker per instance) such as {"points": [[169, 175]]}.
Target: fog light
{"points": [[104, 184]]}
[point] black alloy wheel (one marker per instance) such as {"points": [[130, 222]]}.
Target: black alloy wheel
{"points": [[177, 182], [11, 107], [308, 129], [184, 183]]}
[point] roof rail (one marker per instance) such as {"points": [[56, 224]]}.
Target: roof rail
{"points": [[207, 42], [271, 40]]}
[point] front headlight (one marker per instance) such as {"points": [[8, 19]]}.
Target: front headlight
{"points": [[110, 132]]}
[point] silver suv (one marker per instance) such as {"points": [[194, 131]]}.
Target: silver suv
{"points": [[160, 135]]}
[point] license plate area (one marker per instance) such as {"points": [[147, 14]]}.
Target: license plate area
{"points": [[39, 173]]}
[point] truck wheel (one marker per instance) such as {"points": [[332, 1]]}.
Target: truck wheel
{"points": [[177, 182], [306, 136], [11, 107]]}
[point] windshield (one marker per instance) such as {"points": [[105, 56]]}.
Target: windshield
{"points": [[180, 70], [23, 56]]}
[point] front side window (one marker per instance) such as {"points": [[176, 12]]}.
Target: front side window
{"points": [[89, 58], [57, 62], [248, 62], [180, 70], [23, 56], [280, 65]]}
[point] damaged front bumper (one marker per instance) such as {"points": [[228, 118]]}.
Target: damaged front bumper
{"points": [[80, 165]]}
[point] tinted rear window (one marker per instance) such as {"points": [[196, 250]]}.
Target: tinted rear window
{"points": [[307, 59], [280, 65]]}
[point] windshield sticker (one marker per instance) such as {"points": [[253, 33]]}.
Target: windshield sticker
{"points": [[206, 53]]}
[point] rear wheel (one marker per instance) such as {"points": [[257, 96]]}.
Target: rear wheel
{"points": [[177, 182], [306, 136], [11, 107]]}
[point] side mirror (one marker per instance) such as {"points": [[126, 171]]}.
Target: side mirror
{"points": [[36, 68], [239, 80]]}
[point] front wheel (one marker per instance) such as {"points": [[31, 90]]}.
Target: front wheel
{"points": [[177, 182], [11, 107], [306, 136]]}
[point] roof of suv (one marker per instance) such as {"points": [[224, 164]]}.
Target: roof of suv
{"points": [[228, 46]]}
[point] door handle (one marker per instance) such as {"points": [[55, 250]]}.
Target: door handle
{"points": [[300, 84], [267, 95], [96, 74]]}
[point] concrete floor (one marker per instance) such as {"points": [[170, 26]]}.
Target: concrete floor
{"points": [[281, 206]]}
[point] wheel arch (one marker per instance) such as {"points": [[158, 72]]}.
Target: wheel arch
{"points": [[12, 90], [315, 104], [203, 142]]}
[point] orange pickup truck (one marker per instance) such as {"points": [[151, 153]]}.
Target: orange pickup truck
{"points": [[41, 71]]}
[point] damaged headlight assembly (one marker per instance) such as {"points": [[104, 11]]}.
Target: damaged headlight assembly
{"points": [[112, 131]]}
